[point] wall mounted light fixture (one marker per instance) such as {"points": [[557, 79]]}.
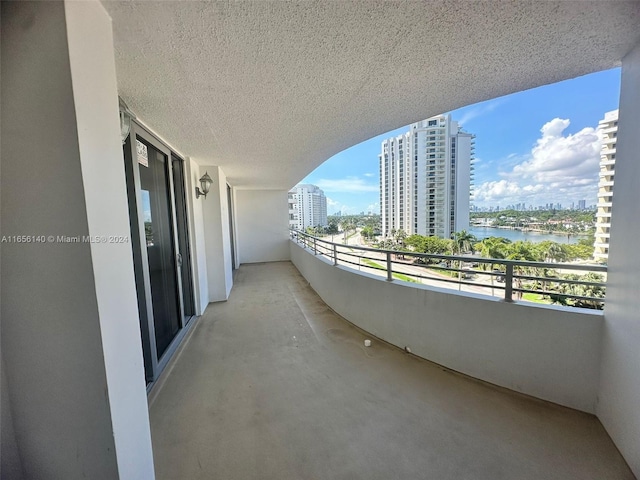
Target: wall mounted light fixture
{"points": [[125, 120], [205, 183]]}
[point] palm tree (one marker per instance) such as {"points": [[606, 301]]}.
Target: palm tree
{"points": [[493, 247], [523, 251], [555, 253], [462, 242], [400, 235]]}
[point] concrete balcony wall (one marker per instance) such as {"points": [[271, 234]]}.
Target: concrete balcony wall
{"points": [[552, 353], [262, 224], [215, 209], [619, 394]]}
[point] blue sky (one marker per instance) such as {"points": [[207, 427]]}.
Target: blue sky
{"points": [[538, 146]]}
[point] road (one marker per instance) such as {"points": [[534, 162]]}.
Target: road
{"points": [[432, 279]]}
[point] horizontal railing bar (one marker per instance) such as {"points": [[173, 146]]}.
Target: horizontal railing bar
{"points": [[562, 280], [521, 263], [346, 254]]}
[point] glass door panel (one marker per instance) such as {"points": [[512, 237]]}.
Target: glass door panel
{"points": [[184, 252], [158, 228]]}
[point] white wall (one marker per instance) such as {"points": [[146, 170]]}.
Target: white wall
{"points": [[619, 407], [93, 76], [198, 243], [262, 223], [70, 328], [215, 210], [550, 353]]}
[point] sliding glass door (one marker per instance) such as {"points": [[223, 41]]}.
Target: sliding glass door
{"points": [[184, 251], [160, 242], [161, 252]]}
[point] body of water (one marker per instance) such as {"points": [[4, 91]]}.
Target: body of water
{"points": [[514, 235]]}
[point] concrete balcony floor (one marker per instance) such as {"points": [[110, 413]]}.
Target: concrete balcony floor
{"points": [[273, 385]]}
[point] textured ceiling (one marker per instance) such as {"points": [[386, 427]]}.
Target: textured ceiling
{"points": [[270, 90]]}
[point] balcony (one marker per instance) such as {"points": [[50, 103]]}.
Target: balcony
{"points": [[256, 113], [273, 384]]}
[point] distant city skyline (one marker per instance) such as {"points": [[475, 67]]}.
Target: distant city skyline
{"points": [[534, 147]]}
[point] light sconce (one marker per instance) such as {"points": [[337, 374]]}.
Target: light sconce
{"points": [[205, 183], [125, 120]]}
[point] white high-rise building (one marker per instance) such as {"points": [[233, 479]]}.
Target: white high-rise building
{"points": [[307, 207], [425, 179], [608, 129]]}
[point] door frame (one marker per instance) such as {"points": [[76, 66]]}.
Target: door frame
{"points": [[154, 364]]}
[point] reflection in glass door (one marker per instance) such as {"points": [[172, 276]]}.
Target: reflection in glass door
{"points": [[156, 209]]}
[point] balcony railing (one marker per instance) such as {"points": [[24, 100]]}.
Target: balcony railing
{"points": [[512, 280]]}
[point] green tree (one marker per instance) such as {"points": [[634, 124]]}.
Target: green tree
{"points": [[493, 248], [463, 241], [525, 251], [399, 236], [367, 232], [332, 228]]}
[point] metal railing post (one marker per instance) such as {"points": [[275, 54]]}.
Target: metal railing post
{"points": [[335, 254], [315, 246], [389, 270], [508, 283]]}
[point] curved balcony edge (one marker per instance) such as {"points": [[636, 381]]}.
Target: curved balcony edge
{"points": [[550, 353]]}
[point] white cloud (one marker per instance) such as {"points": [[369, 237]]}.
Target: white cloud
{"points": [[373, 207], [347, 185], [558, 169], [334, 206], [369, 174], [557, 158]]}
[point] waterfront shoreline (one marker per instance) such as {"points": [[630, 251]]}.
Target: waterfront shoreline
{"points": [[535, 236]]}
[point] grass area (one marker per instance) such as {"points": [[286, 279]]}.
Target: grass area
{"points": [[535, 297], [397, 276]]}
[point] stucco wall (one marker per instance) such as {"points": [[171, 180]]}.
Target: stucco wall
{"points": [[619, 407], [70, 329], [262, 224], [198, 243], [550, 353], [217, 235]]}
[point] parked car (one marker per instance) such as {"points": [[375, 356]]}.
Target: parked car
{"points": [[467, 272], [498, 276]]}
